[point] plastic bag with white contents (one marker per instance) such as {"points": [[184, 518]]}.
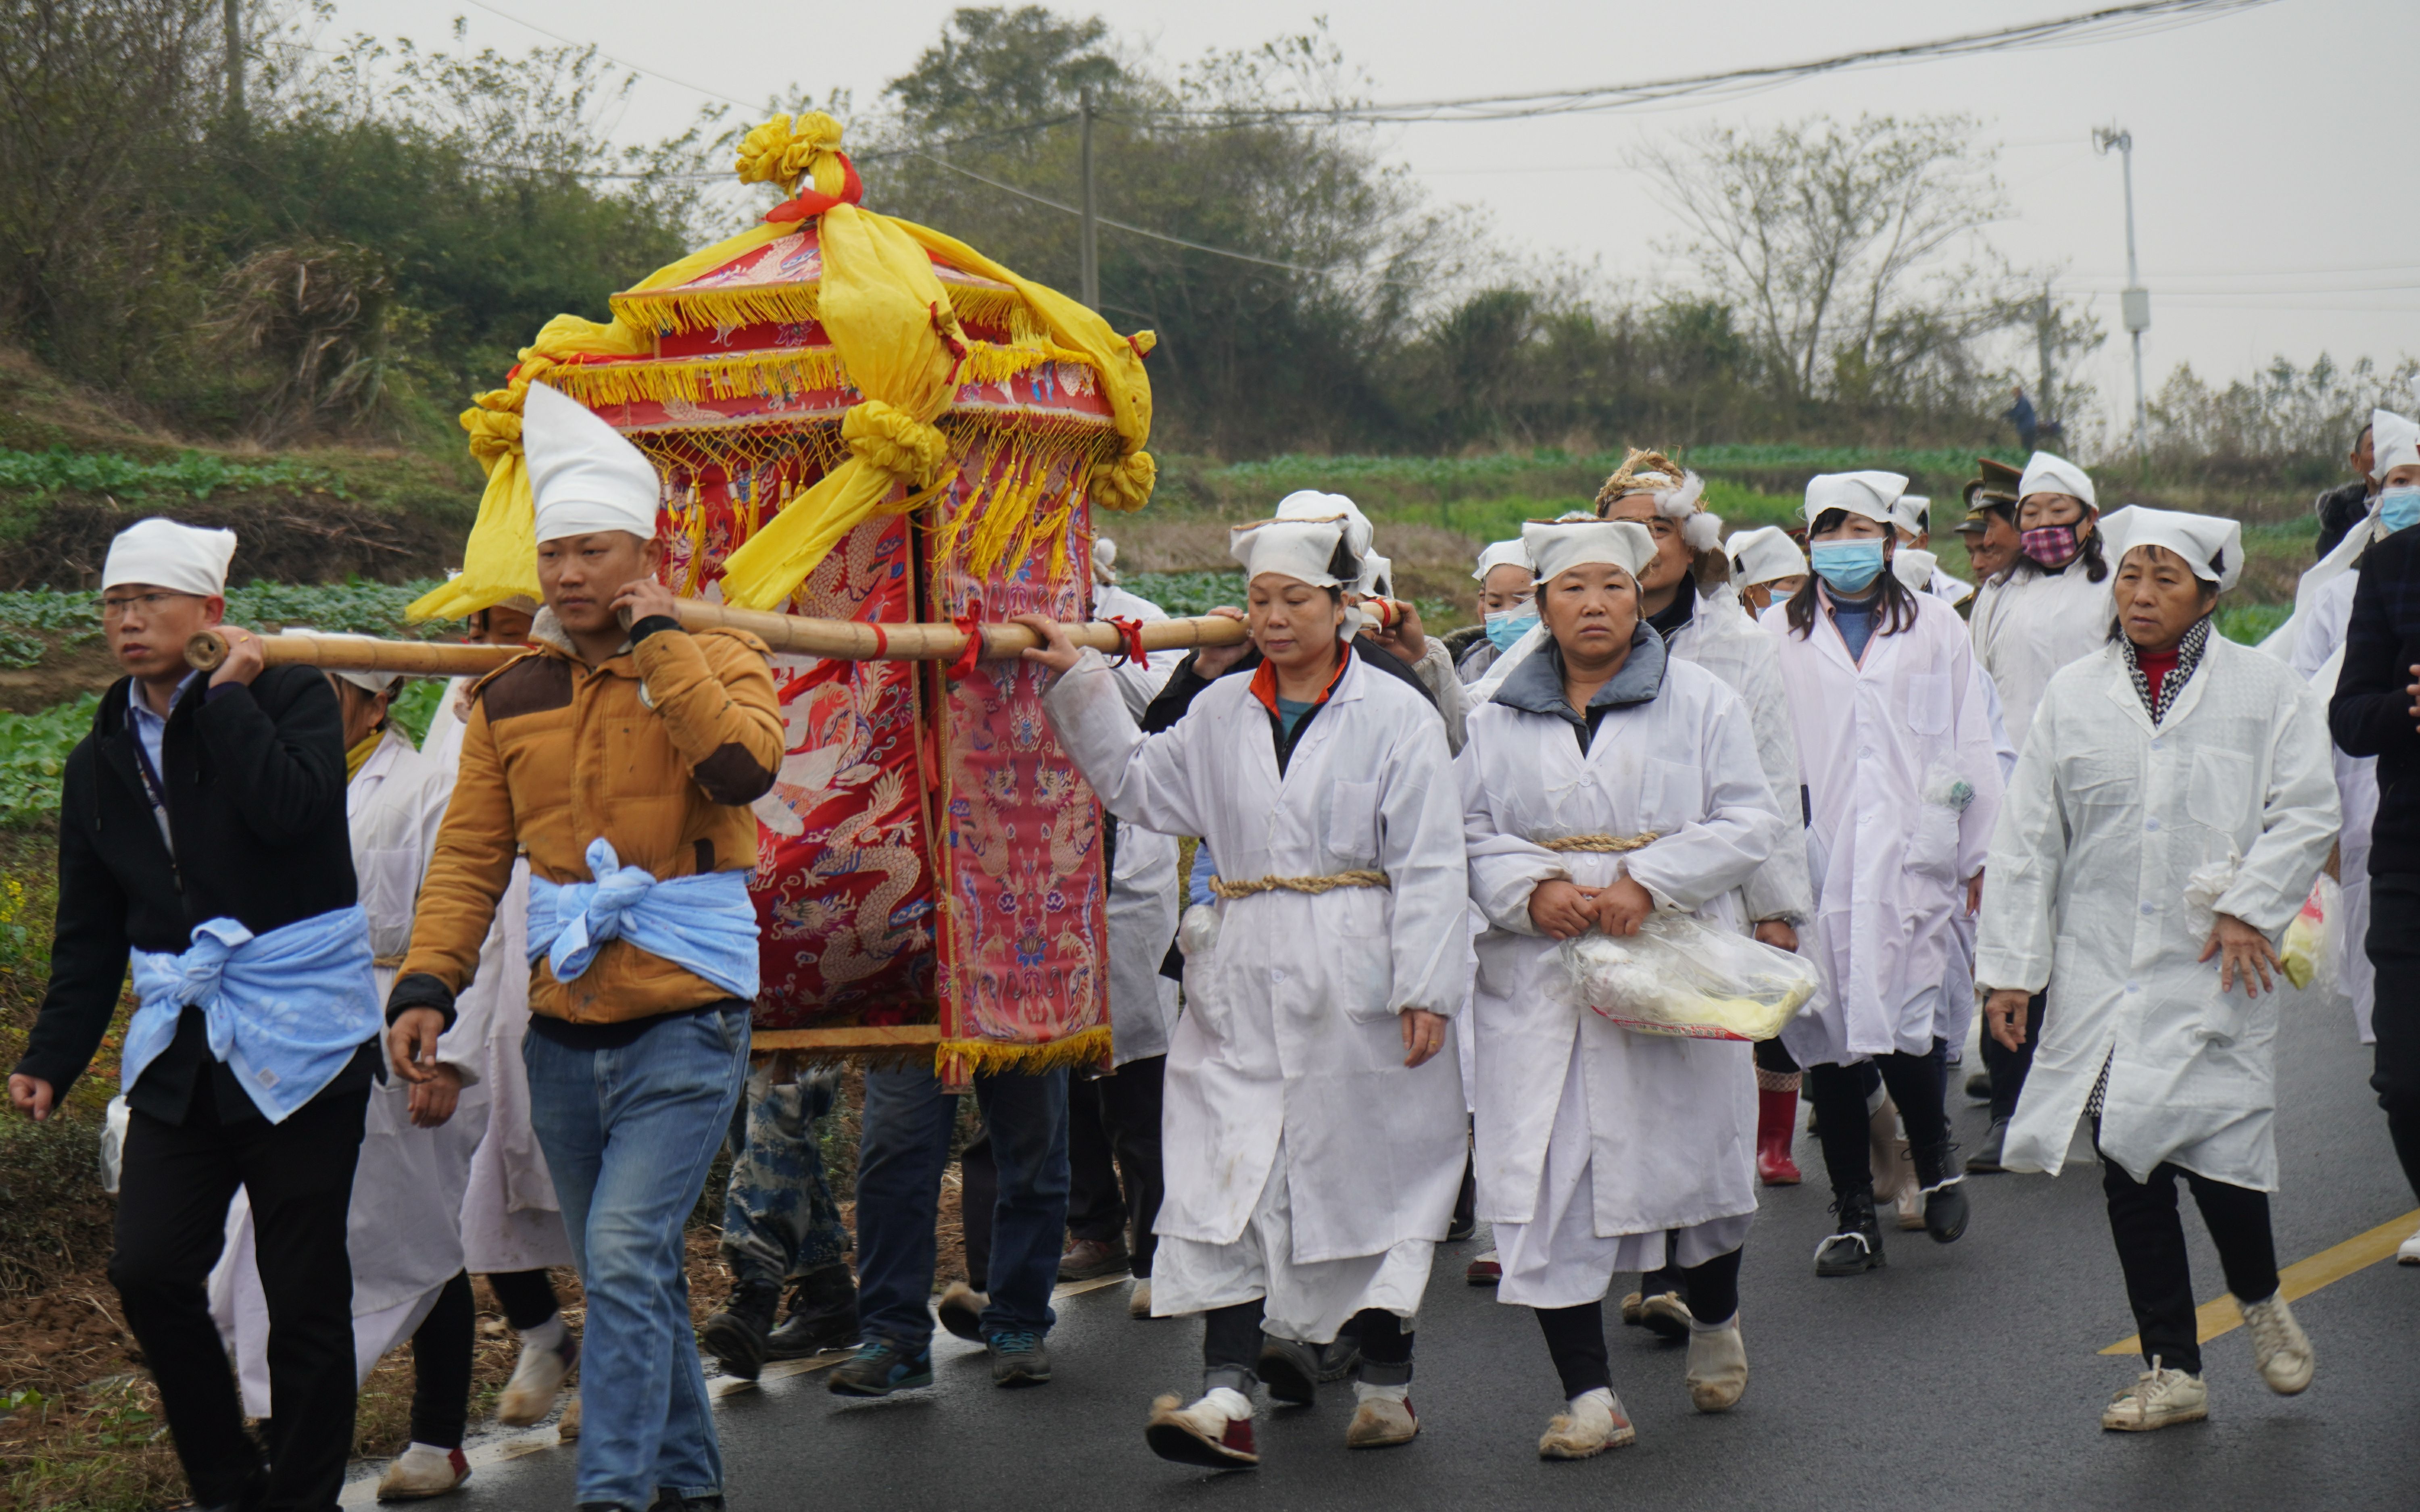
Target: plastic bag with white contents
{"points": [[2309, 957], [113, 1143], [1680, 976]]}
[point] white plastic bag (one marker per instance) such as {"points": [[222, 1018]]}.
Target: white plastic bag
{"points": [[2309, 956], [1678, 975], [113, 1143]]}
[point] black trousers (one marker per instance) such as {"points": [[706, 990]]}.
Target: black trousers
{"points": [[2151, 1251], [2009, 1067], [1231, 1346], [1114, 1183], [2393, 944], [177, 1181], [527, 1297], [440, 1366], [1916, 1084], [1575, 1336]]}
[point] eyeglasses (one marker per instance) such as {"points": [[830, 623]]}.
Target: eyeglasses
{"points": [[151, 604]]}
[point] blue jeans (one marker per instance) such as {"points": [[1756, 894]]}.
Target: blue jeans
{"points": [[629, 1134], [901, 1154]]}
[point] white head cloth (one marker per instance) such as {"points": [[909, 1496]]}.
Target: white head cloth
{"points": [[585, 475], [2197, 538], [1105, 559], [1761, 555], [2046, 473], [1298, 548], [1503, 554], [160, 554], [1558, 547], [1913, 514], [2394, 441], [1914, 566], [1310, 503], [1377, 576], [1870, 494]]}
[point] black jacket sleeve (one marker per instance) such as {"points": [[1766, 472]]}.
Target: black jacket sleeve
{"points": [[1183, 687], [278, 747], [2370, 714], [89, 953]]}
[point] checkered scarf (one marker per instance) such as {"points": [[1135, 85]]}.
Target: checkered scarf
{"points": [[2189, 651]]}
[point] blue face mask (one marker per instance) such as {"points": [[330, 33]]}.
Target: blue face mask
{"points": [[1506, 627], [1850, 567], [2398, 508]]}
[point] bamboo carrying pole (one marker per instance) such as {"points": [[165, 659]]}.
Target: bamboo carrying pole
{"points": [[838, 640]]}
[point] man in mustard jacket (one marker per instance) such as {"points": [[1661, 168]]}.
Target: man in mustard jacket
{"points": [[622, 761]]}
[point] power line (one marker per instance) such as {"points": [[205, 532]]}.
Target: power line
{"points": [[634, 67]]}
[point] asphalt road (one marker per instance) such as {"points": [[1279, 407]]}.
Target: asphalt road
{"points": [[1966, 1376]]}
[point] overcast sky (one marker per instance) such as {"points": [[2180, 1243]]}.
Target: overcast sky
{"points": [[2272, 148]]}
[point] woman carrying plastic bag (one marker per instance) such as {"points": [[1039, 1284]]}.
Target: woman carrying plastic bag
{"points": [[1607, 782]]}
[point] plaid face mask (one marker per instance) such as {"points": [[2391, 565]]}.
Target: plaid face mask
{"points": [[2053, 546]]}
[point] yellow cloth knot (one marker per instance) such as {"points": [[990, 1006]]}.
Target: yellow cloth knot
{"points": [[784, 150], [494, 423], [896, 441], [1126, 483]]}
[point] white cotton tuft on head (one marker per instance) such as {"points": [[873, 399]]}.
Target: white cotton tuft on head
{"points": [[1761, 555], [2394, 442], [2046, 473], [1310, 503], [1503, 554], [161, 554], [1870, 494], [1702, 531], [1105, 559], [2200, 539], [1556, 545], [1296, 549], [585, 475]]}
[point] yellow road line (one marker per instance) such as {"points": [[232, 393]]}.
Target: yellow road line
{"points": [[2297, 1280]]}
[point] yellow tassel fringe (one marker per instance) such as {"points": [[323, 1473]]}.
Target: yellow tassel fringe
{"points": [[785, 373], [672, 311], [961, 1058]]}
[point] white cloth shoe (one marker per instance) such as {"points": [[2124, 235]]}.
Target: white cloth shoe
{"points": [[2408, 1253], [423, 1470], [529, 1396], [2279, 1345], [1214, 1432], [567, 1427], [1382, 1418], [1594, 1423], [2159, 1398], [1908, 1205], [1717, 1366], [1139, 1299]]}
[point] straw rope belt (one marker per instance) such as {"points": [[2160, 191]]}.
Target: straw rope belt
{"points": [[1602, 844], [1225, 888], [392, 962]]}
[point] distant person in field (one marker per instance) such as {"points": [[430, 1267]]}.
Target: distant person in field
{"points": [[202, 832], [2347, 505]]}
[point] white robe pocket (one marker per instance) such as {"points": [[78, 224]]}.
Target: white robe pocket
{"points": [[1928, 703], [2215, 795], [1932, 850], [1353, 824]]}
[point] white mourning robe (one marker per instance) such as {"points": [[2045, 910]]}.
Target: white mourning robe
{"points": [[2106, 822], [403, 1229], [2318, 657], [2038, 623], [1303, 1160], [1144, 898], [1592, 1141], [1890, 869], [1721, 639]]}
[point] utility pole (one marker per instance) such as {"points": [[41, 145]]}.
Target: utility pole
{"points": [[1089, 280], [2135, 301], [2042, 328], [234, 29]]}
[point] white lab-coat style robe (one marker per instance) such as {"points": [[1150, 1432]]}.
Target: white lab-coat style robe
{"points": [[404, 1226], [1890, 867], [1950, 591], [1293, 1139], [1648, 1133], [2038, 623], [1722, 639], [1144, 886], [2317, 650], [2108, 823]]}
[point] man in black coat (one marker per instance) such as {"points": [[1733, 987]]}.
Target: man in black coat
{"points": [[2376, 712], [2340, 509], [192, 801]]}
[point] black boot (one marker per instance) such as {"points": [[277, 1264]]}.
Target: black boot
{"points": [[1944, 1199], [823, 1316], [1856, 1243], [736, 1336]]}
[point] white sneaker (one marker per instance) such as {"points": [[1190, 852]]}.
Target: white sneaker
{"points": [[2159, 1398], [529, 1396], [423, 1470], [2408, 1253], [1214, 1432], [1717, 1366], [1594, 1423], [2279, 1347]]}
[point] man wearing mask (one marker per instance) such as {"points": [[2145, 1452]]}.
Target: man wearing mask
{"points": [[202, 831]]}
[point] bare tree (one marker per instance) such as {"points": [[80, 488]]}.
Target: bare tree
{"points": [[1830, 237]]}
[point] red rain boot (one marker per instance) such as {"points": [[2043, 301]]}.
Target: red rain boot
{"points": [[1776, 1121]]}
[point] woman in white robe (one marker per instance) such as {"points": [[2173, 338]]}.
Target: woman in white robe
{"points": [[1313, 1133], [1643, 1159], [2170, 809], [1897, 750]]}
